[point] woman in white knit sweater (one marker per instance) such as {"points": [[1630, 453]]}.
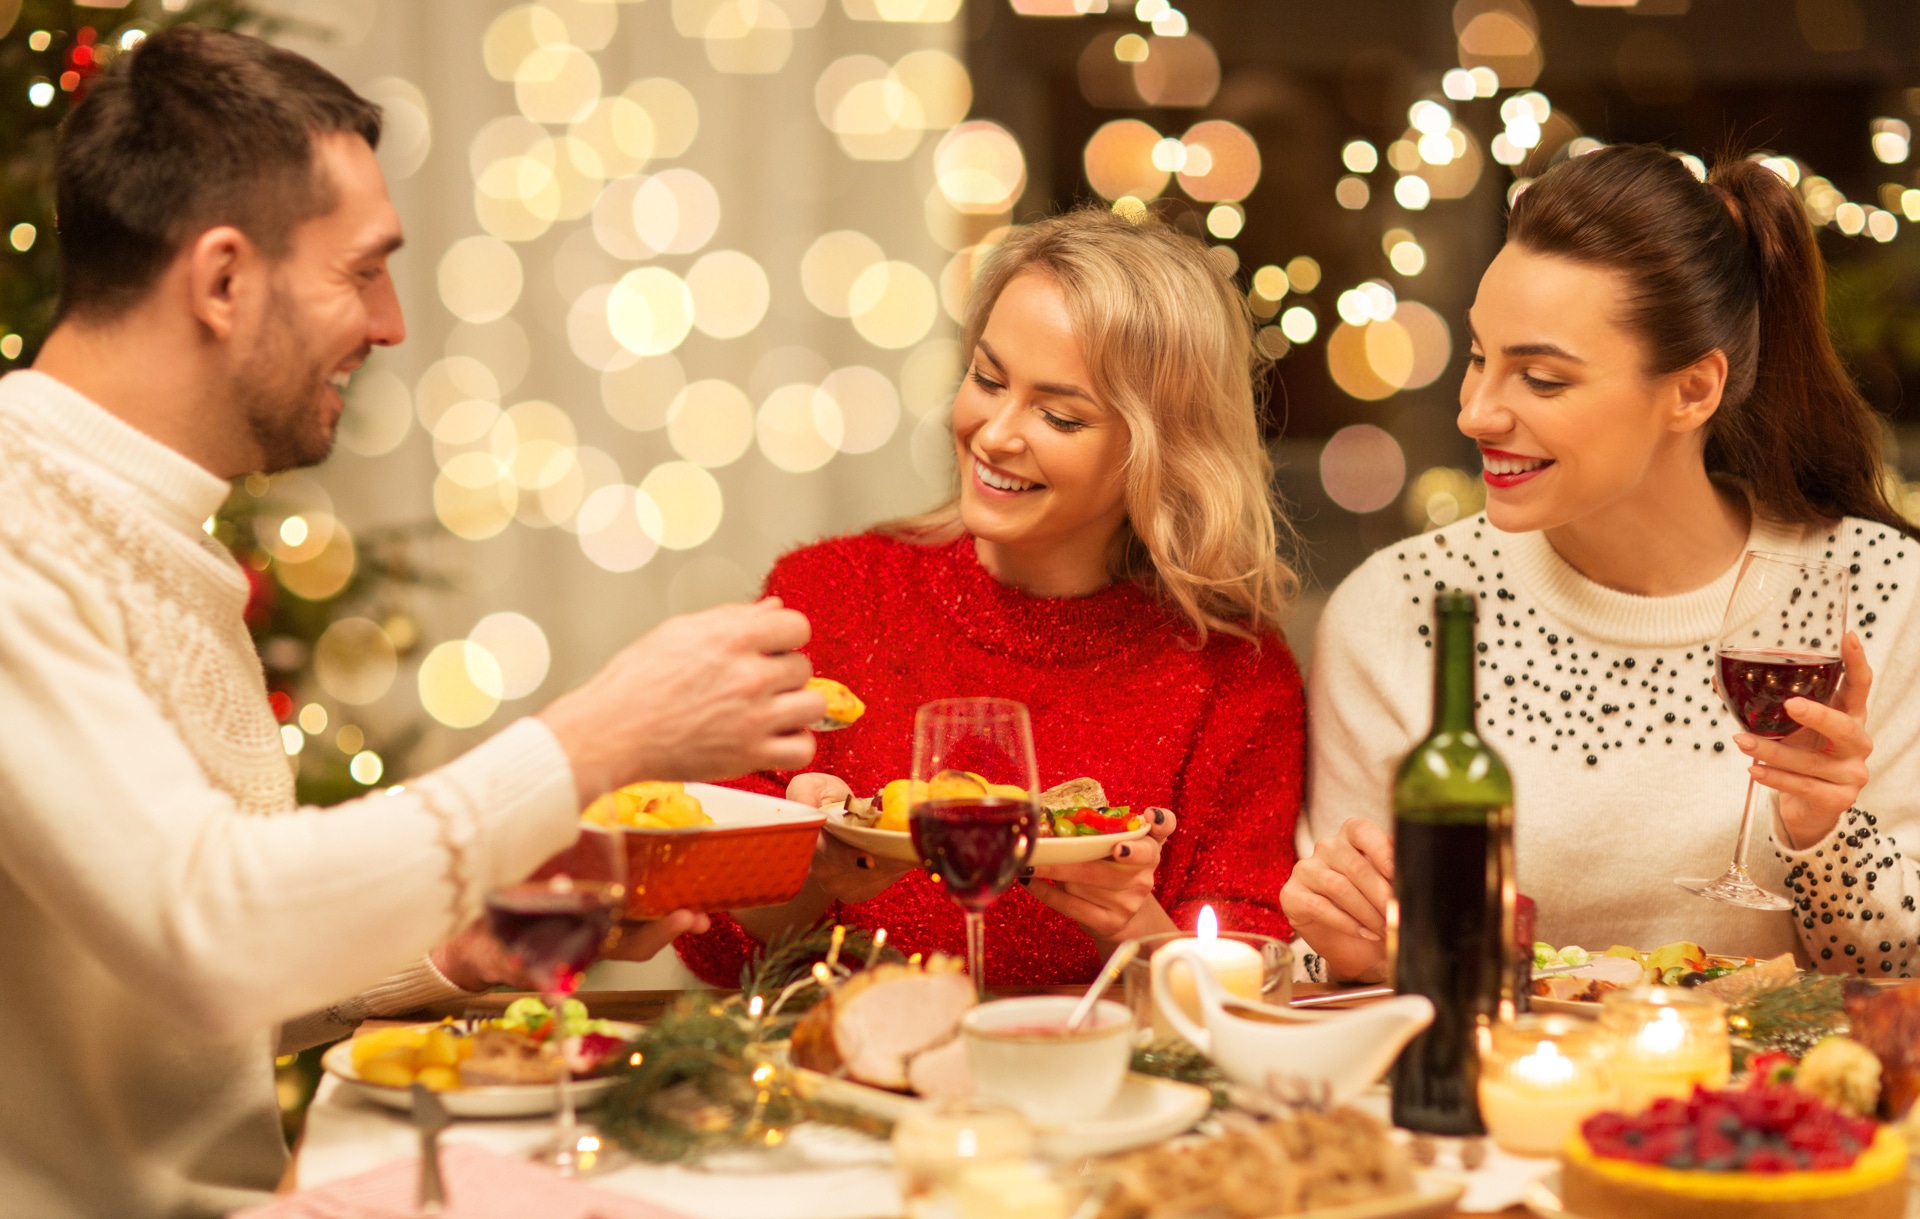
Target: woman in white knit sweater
{"points": [[1653, 392]]}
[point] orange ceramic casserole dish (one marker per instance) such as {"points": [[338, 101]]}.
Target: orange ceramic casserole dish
{"points": [[756, 853]]}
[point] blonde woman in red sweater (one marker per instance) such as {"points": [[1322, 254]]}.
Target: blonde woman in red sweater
{"points": [[1111, 559]]}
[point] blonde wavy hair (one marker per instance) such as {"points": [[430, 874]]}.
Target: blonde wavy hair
{"points": [[1168, 341]]}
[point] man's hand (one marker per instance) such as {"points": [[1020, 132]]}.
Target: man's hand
{"points": [[702, 696], [1337, 899], [474, 960]]}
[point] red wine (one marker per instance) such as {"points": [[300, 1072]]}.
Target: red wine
{"points": [[975, 847], [1757, 685], [1450, 949], [553, 933]]}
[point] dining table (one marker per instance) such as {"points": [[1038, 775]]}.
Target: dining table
{"points": [[824, 1172]]}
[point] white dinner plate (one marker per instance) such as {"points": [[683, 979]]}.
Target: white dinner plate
{"points": [[493, 1100], [1047, 852], [1148, 1110]]}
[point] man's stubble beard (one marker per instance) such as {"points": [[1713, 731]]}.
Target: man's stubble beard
{"points": [[282, 393]]}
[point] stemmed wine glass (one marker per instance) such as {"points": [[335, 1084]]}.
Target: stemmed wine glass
{"points": [[551, 927], [1780, 640], [976, 805]]}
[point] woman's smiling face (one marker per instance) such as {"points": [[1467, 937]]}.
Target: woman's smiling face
{"points": [[1041, 457], [1557, 394]]}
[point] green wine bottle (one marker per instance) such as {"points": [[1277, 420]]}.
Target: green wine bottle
{"points": [[1450, 928]]}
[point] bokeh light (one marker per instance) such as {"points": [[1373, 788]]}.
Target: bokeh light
{"points": [[556, 84], [894, 304], [799, 428], [590, 332], [710, 423], [730, 293], [619, 528], [475, 496], [355, 661], [459, 684], [748, 38], [1441, 496], [378, 415], [516, 34], [930, 375], [519, 650], [689, 500], [479, 278], [619, 132], [1231, 167], [1119, 161], [650, 311], [676, 212], [1431, 341], [1362, 468], [1178, 72], [979, 167], [868, 406], [450, 381], [590, 471], [500, 345], [675, 114], [406, 125], [832, 265], [317, 574]]}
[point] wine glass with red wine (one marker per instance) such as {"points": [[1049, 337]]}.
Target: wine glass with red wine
{"points": [[552, 926], [976, 806], [1780, 640]]}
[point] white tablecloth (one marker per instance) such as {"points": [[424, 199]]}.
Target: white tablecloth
{"points": [[830, 1173]]}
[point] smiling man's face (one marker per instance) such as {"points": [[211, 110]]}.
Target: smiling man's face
{"points": [[332, 302]]}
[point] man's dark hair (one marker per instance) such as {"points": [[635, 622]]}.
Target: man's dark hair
{"points": [[194, 129]]}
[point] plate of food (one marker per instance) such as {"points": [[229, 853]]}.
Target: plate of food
{"points": [[888, 1041], [502, 1067], [1572, 980], [696, 846], [1077, 824]]}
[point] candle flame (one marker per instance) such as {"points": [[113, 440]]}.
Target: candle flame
{"points": [[756, 1005], [1546, 1067], [1662, 1035], [1207, 926]]}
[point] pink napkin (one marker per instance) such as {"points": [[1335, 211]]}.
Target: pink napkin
{"points": [[479, 1185]]}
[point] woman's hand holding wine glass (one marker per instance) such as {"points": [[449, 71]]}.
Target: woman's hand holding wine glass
{"points": [[1819, 769]]}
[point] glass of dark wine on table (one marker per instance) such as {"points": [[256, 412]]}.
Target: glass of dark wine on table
{"points": [[1780, 640], [976, 806], [551, 927]]}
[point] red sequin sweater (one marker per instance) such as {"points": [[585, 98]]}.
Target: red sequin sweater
{"points": [[1217, 734]]}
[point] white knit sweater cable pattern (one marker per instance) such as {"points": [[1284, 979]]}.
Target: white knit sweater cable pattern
{"points": [[165, 904], [1625, 776]]}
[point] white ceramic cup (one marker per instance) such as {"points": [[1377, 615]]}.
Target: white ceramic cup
{"points": [[1022, 1060]]}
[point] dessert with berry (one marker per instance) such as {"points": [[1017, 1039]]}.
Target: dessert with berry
{"points": [[1764, 1150]]}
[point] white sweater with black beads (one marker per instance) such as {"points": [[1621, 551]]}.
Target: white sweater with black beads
{"points": [[1625, 775]]}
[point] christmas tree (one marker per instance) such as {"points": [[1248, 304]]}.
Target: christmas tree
{"points": [[50, 50]]}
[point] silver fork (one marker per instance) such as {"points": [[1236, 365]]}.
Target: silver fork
{"points": [[429, 1118]]}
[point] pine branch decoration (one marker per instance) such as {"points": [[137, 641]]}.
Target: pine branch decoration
{"points": [[1793, 1016]]}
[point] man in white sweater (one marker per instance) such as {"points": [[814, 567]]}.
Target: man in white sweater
{"points": [[165, 908]]}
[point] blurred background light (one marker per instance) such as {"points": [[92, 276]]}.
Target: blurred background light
{"points": [[710, 423], [1362, 468], [518, 648], [459, 684]]}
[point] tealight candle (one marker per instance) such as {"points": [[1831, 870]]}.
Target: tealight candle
{"points": [[1236, 964], [1539, 1076], [1663, 1041]]}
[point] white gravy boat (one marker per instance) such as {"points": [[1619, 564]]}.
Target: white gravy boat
{"points": [[1343, 1051]]}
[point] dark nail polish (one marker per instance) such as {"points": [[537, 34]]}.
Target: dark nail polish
{"points": [[863, 863], [1026, 882], [1025, 873], [1159, 816], [1125, 851]]}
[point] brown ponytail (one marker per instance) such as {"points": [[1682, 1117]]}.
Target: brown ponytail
{"points": [[1731, 264]]}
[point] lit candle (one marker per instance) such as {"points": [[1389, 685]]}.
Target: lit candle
{"points": [[1237, 966], [1538, 1079], [1664, 1042]]}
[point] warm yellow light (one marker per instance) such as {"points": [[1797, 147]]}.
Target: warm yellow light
{"points": [[355, 662], [366, 768], [21, 236], [313, 719]]}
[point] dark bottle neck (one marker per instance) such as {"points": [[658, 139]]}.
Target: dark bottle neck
{"points": [[1453, 701]]}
